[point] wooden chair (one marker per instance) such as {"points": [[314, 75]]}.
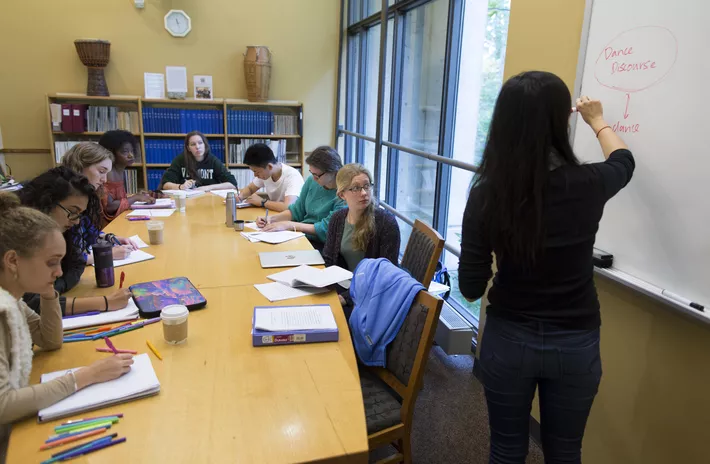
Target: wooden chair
{"points": [[423, 252], [390, 393]]}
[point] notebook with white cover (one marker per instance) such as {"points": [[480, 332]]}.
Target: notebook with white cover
{"points": [[160, 203], [151, 212], [307, 276], [277, 237], [136, 256], [129, 313], [139, 382], [290, 258]]}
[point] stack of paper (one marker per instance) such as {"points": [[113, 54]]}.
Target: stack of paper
{"points": [[190, 193], [151, 213], [139, 382], [307, 276], [293, 324], [160, 203], [302, 281], [272, 237], [129, 313], [223, 195], [136, 256]]}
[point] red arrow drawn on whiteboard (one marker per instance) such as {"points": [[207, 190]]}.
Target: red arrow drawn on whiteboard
{"points": [[626, 111]]}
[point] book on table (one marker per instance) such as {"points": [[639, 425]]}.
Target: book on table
{"points": [[160, 203], [139, 382], [283, 325], [307, 276]]}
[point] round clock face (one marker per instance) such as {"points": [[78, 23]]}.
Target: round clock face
{"points": [[177, 23]]}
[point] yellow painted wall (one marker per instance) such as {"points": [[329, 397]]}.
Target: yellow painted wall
{"points": [[38, 56], [653, 406]]}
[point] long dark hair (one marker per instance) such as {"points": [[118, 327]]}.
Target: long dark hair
{"points": [[190, 162], [530, 124], [45, 191]]}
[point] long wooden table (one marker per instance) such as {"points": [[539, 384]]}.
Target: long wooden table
{"points": [[221, 399]]}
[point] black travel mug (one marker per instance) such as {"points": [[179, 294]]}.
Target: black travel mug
{"points": [[103, 264]]}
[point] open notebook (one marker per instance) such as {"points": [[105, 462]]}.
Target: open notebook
{"points": [[129, 313], [139, 382], [160, 203], [307, 276], [136, 256]]}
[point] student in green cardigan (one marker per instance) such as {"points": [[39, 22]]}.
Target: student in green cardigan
{"points": [[317, 202]]}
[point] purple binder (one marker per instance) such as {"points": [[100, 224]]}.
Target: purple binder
{"points": [[266, 338]]}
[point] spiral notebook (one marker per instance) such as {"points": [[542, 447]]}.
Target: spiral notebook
{"points": [[139, 382]]}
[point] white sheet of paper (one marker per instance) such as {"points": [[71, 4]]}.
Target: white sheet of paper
{"points": [[158, 202], [284, 319], [154, 85], [151, 213], [251, 225], [276, 291], [435, 288], [140, 379], [136, 256], [139, 241], [223, 192], [312, 277], [278, 237], [251, 236], [128, 313]]}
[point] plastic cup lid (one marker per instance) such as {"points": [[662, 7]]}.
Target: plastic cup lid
{"points": [[174, 312]]}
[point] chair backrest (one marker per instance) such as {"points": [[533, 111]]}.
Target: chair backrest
{"points": [[408, 353], [422, 253]]}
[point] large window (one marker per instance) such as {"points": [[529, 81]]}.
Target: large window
{"points": [[433, 97]]}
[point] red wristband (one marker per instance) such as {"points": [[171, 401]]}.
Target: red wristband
{"points": [[600, 130]]}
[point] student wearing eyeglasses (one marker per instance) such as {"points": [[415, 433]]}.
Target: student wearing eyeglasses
{"points": [[362, 230], [316, 203], [66, 197]]}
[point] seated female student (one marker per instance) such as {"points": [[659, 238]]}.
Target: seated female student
{"points": [[197, 168], [317, 202], [282, 183], [538, 209], [31, 250], [94, 162], [361, 230], [65, 196], [124, 147]]}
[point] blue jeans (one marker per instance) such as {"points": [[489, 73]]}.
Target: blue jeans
{"points": [[563, 364]]}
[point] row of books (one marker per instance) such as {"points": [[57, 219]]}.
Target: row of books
{"points": [[237, 150], [62, 147], [250, 122], [77, 118], [182, 121], [243, 177], [163, 151], [132, 186], [285, 124]]}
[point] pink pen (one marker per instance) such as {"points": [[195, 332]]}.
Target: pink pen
{"points": [[110, 345]]}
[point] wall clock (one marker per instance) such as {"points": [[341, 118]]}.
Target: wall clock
{"points": [[178, 23]]}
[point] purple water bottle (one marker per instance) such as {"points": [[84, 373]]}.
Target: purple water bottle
{"points": [[103, 264]]}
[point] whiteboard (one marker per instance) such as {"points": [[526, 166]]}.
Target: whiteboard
{"points": [[649, 64]]}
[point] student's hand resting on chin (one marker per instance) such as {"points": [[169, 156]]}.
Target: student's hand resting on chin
{"points": [[278, 226]]}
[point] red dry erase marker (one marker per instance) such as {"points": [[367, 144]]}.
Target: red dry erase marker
{"points": [[123, 277]]}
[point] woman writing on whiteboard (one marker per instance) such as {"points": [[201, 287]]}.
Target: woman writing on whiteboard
{"points": [[538, 209], [31, 251]]}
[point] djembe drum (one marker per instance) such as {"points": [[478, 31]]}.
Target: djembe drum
{"points": [[257, 72], [94, 53]]}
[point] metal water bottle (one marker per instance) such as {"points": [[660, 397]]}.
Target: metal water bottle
{"points": [[231, 207]]}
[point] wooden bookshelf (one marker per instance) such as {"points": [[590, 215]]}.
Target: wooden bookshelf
{"points": [[293, 142]]}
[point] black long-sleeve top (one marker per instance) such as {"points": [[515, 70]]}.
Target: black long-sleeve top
{"points": [[560, 288]]}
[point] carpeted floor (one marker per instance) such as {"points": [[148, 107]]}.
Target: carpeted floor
{"points": [[450, 417]]}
